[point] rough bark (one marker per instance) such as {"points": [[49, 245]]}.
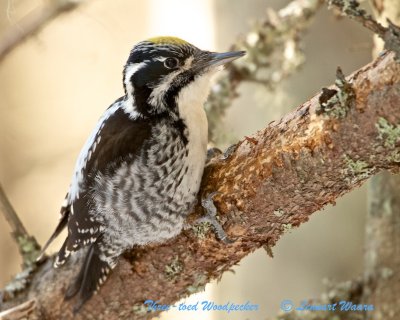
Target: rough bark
{"points": [[382, 243], [268, 184]]}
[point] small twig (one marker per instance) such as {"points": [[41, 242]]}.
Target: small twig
{"points": [[27, 245], [351, 8], [17, 227], [390, 35], [33, 23], [273, 53], [19, 312]]}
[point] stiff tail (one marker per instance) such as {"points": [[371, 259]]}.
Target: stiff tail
{"points": [[92, 275], [65, 211]]}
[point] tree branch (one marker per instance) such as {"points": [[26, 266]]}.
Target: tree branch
{"points": [[270, 183], [33, 23]]}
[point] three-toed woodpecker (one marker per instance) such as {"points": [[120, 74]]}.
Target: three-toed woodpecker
{"points": [[138, 174]]}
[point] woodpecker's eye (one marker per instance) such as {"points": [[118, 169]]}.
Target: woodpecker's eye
{"points": [[171, 63]]}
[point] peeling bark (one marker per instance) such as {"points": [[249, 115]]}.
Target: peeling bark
{"points": [[270, 182]]}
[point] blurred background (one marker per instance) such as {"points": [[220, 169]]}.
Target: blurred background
{"points": [[54, 87]]}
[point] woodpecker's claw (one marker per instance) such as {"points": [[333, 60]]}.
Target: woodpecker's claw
{"points": [[212, 153], [211, 217]]}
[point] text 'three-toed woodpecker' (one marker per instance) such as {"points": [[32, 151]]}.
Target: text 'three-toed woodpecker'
{"points": [[139, 172]]}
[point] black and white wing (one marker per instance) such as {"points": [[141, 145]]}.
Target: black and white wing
{"points": [[117, 136]]}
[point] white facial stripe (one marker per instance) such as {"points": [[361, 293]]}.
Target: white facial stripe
{"points": [[129, 72], [156, 97], [160, 58]]}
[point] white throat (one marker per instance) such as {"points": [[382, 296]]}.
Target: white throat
{"points": [[190, 102]]}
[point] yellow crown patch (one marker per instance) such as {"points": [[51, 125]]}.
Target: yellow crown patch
{"points": [[167, 40]]}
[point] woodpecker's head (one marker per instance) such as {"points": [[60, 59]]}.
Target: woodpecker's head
{"points": [[158, 70]]}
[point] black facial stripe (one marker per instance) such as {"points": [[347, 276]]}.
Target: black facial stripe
{"points": [[141, 96], [180, 81], [146, 75], [144, 80], [143, 83]]}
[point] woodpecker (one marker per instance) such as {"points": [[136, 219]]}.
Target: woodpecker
{"points": [[137, 176]]}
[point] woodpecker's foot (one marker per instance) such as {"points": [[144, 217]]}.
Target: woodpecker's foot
{"points": [[212, 153], [211, 217]]}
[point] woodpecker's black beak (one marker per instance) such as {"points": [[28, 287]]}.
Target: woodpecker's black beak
{"points": [[210, 60], [217, 59]]}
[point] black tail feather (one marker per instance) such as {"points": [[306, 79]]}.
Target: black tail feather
{"points": [[91, 276], [74, 287]]}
